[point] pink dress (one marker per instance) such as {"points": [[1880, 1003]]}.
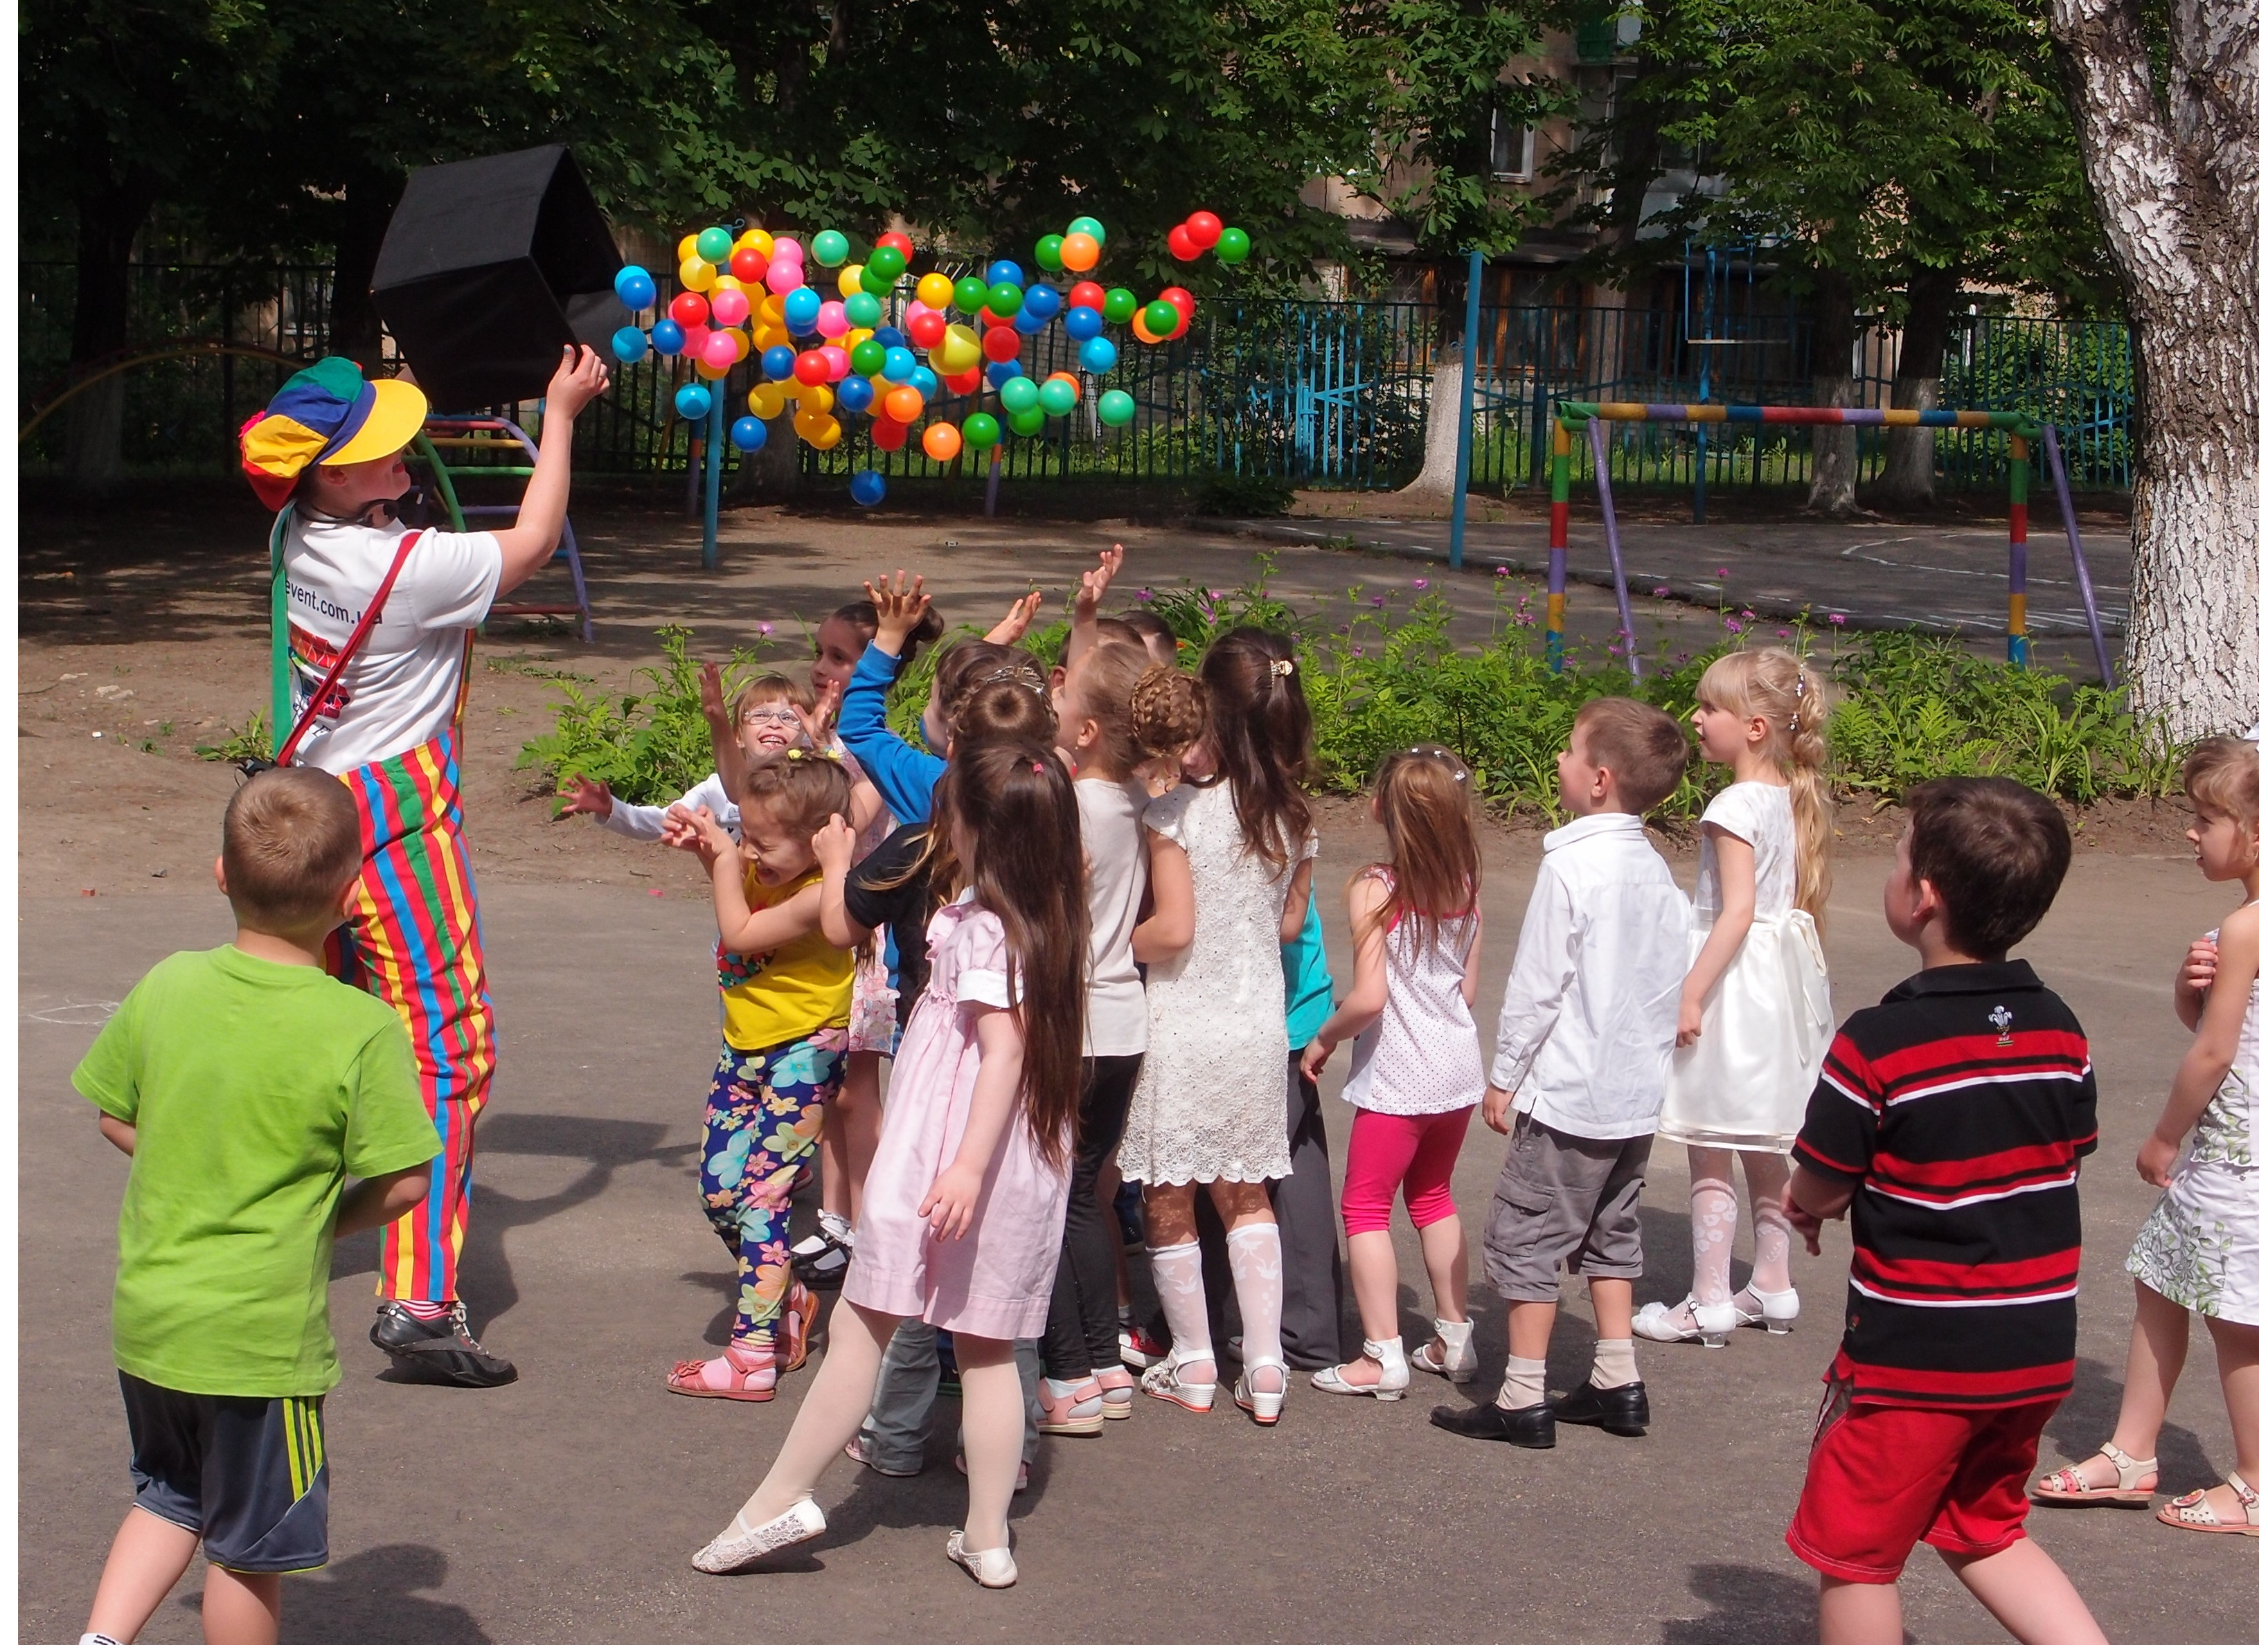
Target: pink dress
{"points": [[994, 1281]]}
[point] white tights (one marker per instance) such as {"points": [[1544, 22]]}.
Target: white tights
{"points": [[1716, 1218]]}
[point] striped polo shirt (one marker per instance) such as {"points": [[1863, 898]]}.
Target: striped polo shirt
{"points": [[1958, 1109]]}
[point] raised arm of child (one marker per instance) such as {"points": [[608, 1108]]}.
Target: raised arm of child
{"points": [[2194, 980], [588, 796], [1737, 883], [375, 1201], [723, 736], [1093, 587], [2206, 1063], [533, 537], [1542, 968], [1011, 627], [833, 846], [950, 1205], [904, 775], [1365, 1001], [1172, 923]]}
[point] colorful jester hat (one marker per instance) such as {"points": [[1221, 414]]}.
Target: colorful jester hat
{"points": [[329, 414]]}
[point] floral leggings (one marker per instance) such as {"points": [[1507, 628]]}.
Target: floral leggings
{"points": [[766, 1109]]}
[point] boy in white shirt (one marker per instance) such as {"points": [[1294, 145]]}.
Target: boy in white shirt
{"points": [[1583, 1061]]}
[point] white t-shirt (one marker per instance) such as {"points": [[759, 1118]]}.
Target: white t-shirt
{"points": [[1117, 873], [1762, 814], [401, 690]]}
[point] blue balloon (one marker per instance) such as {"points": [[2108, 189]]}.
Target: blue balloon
{"points": [[1028, 324], [668, 336], [693, 402], [1041, 300], [854, 393], [634, 287], [1003, 270], [1000, 372], [926, 380], [749, 433], [779, 362], [866, 487], [891, 337], [1082, 323], [800, 309], [1098, 355], [630, 345], [899, 367]]}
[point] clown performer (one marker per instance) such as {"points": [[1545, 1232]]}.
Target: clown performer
{"points": [[385, 616]]}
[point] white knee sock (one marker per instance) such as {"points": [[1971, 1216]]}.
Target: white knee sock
{"points": [[1255, 1258], [1523, 1385], [1614, 1363], [1178, 1272]]}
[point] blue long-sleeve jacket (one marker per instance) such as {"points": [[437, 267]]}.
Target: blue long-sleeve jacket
{"points": [[904, 774]]}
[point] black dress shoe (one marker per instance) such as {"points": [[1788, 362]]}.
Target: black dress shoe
{"points": [[442, 1350], [1530, 1426], [1617, 1410]]}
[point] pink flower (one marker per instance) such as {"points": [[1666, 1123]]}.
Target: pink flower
{"points": [[1661, 591], [1417, 582], [764, 629], [1358, 650], [1836, 617], [1782, 632], [1724, 571], [1732, 625], [1378, 600], [1504, 571], [1748, 616], [1216, 593], [1144, 594]]}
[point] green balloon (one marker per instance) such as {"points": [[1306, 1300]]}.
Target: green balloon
{"points": [[979, 431], [1028, 421], [1119, 305], [1049, 253], [968, 294], [1115, 407], [888, 261], [1234, 246], [830, 248], [868, 356], [1004, 298], [1161, 318], [1018, 393], [713, 245], [863, 308], [1057, 397], [1088, 226], [874, 283]]}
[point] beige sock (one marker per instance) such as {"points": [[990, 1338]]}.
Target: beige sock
{"points": [[1614, 1363], [1523, 1385]]}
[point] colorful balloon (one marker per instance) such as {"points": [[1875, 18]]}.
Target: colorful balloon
{"points": [[688, 308], [757, 237], [1028, 423], [783, 276], [1000, 373], [867, 488], [1120, 306], [958, 350], [1048, 252], [856, 394], [890, 337], [866, 358], [864, 309], [713, 246], [980, 431], [829, 248], [888, 434], [968, 382], [779, 362], [1181, 299], [927, 329], [748, 434], [696, 276], [717, 350], [1098, 355], [934, 289], [748, 265], [787, 248], [1057, 397], [926, 380], [941, 441], [696, 339], [1178, 242], [1087, 226], [888, 261], [1002, 343], [838, 362], [903, 403], [1080, 324], [1004, 297], [851, 280], [688, 248], [811, 366], [1018, 393], [1042, 301], [1080, 251], [1004, 272], [874, 283], [668, 336], [833, 321], [730, 307], [692, 402], [1235, 246], [899, 364], [1204, 229], [898, 243], [1161, 316], [634, 286], [818, 397], [968, 294], [708, 373], [1115, 407], [767, 401], [800, 310], [1027, 324], [630, 345]]}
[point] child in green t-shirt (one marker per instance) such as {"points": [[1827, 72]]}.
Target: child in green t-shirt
{"points": [[247, 1086]]}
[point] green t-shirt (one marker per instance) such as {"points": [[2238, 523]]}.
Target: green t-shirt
{"points": [[254, 1090]]}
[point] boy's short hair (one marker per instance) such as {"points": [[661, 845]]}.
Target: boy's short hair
{"points": [[290, 842], [1117, 628], [2222, 773], [1997, 852], [1643, 746], [1154, 634]]}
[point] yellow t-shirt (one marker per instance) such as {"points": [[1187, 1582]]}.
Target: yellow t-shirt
{"points": [[789, 993]]}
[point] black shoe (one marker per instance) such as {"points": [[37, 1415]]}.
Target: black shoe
{"points": [[1530, 1426], [438, 1350], [1617, 1410], [820, 1261]]}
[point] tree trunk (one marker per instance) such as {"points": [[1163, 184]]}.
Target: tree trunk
{"points": [[1910, 458], [2176, 181], [775, 472], [1834, 448], [1437, 477], [94, 422], [355, 330]]}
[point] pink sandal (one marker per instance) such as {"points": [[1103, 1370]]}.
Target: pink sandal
{"points": [[798, 1313], [748, 1374], [2067, 1488], [1117, 1392]]}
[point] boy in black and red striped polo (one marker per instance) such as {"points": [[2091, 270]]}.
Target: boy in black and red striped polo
{"points": [[1949, 1122]]}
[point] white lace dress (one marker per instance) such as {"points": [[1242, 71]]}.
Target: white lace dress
{"points": [[1208, 1103], [2200, 1245]]}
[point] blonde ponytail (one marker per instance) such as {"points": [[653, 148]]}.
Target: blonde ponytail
{"points": [[1773, 683]]}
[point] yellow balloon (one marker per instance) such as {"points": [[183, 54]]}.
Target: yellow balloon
{"points": [[958, 350], [848, 281], [774, 310], [827, 436], [808, 422], [727, 282], [792, 387], [686, 248], [772, 337], [766, 401], [739, 343], [696, 276], [855, 335], [819, 398], [756, 238], [934, 289], [711, 372]]}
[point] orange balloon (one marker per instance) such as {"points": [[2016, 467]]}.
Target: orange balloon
{"points": [[1068, 378], [1142, 330], [1081, 252], [941, 441], [903, 403]]}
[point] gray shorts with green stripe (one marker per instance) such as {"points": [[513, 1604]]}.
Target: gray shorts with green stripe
{"points": [[245, 1474]]}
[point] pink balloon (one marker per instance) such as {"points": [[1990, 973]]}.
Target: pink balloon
{"points": [[790, 249], [833, 322], [916, 309], [730, 307], [784, 275], [718, 349], [696, 338], [838, 362]]}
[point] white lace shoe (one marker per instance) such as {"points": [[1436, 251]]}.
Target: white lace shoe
{"points": [[1393, 1374], [738, 1544], [1707, 1324], [1164, 1381], [1774, 1310], [992, 1568]]}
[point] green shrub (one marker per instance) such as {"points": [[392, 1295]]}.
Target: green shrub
{"points": [[1263, 496], [648, 746]]}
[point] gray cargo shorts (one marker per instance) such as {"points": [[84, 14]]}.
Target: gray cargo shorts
{"points": [[1563, 1199]]}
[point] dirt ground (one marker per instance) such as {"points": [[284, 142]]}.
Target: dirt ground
{"points": [[564, 1507]]}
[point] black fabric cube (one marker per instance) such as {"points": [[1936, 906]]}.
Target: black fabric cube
{"points": [[489, 267]]}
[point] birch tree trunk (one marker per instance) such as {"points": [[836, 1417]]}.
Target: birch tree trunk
{"points": [[1438, 475], [2175, 178], [1834, 448]]}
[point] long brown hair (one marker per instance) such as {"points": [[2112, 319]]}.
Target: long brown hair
{"points": [[1015, 801], [1261, 738], [1142, 710], [1776, 685], [1425, 800]]}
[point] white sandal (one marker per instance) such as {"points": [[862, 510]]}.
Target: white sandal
{"points": [[1449, 1352], [2066, 1488], [740, 1543], [1163, 1381], [1393, 1374], [1774, 1310], [2193, 1512], [1712, 1322]]}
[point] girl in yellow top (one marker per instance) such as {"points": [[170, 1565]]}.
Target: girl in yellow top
{"points": [[787, 1010]]}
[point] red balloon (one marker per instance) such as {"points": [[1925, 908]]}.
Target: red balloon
{"points": [[688, 308], [1002, 343], [905, 246], [1179, 299], [1085, 294], [1204, 229], [1179, 242], [927, 329], [990, 321], [810, 367], [888, 433], [966, 382], [749, 266]]}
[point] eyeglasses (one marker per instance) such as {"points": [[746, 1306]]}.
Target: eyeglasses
{"points": [[775, 714]]}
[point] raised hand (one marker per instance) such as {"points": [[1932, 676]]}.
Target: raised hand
{"points": [[1095, 583], [899, 607], [586, 797], [1010, 627], [580, 379], [819, 724], [712, 701], [833, 844]]}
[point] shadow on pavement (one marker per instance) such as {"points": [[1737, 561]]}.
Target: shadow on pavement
{"points": [[1750, 1606], [2086, 1419], [375, 1598]]}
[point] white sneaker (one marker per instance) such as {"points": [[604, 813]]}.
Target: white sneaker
{"points": [[738, 1544], [992, 1568]]}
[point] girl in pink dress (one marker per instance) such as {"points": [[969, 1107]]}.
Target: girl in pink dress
{"points": [[964, 1205]]}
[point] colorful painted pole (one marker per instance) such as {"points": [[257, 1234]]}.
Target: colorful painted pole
{"points": [[1614, 543], [2077, 558], [2020, 469], [1554, 581], [1465, 410]]}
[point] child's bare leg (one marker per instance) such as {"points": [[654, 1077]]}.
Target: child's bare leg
{"points": [[2154, 1355], [1447, 1267], [242, 1608], [1859, 1613], [2028, 1594], [858, 1122], [147, 1557], [991, 1435], [2237, 1347], [1767, 1175], [834, 1169], [832, 1410], [1376, 1279]]}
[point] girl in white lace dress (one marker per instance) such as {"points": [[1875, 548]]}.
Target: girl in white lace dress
{"points": [[1231, 858], [2200, 1249], [1754, 1023]]}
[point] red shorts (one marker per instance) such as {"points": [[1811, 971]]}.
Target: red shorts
{"points": [[1885, 1477]]}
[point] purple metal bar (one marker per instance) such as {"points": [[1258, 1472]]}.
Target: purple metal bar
{"points": [[2077, 559], [1614, 541], [567, 545]]}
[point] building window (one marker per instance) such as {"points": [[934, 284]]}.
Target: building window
{"points": [[1512, 149]]}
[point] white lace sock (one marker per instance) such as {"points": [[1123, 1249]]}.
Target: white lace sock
{"points": [[1178, 1272], [1614, 1363], [1256, 1259], [1767, 1182], [1523, 1385], [1716, 1218]]}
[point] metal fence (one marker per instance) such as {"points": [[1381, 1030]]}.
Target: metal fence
{"points": [[1320, 395]]}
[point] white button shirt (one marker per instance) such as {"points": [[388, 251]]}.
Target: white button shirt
{"points": [[1590, 1010]]}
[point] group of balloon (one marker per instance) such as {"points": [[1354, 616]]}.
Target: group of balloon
{"points": [[753, 293]]}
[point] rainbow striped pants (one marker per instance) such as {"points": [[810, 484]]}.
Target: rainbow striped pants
{"points": [[414, 941]]}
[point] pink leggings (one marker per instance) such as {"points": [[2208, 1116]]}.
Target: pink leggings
{"points": [[1416, 1153]]}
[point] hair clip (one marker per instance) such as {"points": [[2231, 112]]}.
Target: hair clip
{"points": [[1281, 668], [814, 753], [1038, 769], [1015, 676]]}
